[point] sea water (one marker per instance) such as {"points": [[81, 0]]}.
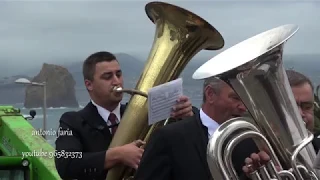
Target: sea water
{"points": [[54, 114]]}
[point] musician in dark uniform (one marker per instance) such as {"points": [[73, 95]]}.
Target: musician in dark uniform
{"points": [[303, 92], [178, 151], [87, 153]]}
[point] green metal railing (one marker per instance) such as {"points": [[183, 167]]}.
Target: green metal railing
{"points": [[18, 145], [16, 166], [13, 161]]}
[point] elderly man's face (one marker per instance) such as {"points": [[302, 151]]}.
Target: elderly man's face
{"points": [[304, 97], [226, 103]]}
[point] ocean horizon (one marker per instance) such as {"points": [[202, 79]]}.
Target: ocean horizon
{"points": [[192, 88], [54, 114]]}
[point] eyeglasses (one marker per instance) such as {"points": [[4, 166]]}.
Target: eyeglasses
{"points": [[306, 106]]}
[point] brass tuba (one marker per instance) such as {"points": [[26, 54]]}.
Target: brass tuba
{"points": [[179, 36], [254, 69]]}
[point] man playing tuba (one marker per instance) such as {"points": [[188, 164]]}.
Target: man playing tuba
{"points": [[178, 151], [93, 127], [303, 92]]}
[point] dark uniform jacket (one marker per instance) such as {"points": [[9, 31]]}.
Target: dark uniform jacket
{"points": [[91, 136], [178, 152]]}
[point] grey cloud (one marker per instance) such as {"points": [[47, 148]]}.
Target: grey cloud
{"points": [[39, 31]]}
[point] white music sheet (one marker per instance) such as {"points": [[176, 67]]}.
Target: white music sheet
{"points": [[161, 100]]}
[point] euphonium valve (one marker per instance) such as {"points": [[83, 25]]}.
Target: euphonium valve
{"points": [[254, 69], [180, 34]]}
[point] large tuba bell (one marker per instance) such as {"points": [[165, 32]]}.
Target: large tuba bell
{"points": [[254, 69], [180, 35]]}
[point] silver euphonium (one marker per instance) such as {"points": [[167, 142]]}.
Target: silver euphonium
{"points": [[254, 69]]}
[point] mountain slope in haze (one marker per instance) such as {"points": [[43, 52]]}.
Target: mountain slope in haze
{"points": [[129, 64], [11, 93], [8, 81]]}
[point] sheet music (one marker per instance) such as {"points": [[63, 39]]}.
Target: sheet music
{"points": [[161, 100]]}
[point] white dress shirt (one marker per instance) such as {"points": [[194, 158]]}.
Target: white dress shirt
{"points": [[105, 113], [209, 123]]}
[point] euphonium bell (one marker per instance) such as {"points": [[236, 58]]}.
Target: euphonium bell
{"points": [[179, 36], [254, 69]]}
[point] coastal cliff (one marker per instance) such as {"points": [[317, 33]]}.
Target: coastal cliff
{"points": [[60, 88]]}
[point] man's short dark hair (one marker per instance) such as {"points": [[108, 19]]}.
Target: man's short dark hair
{"points": [[297, 79], [89, 65]]}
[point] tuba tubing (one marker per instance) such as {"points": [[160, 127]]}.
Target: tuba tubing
{"points": [[254, 69], [180, 34]]}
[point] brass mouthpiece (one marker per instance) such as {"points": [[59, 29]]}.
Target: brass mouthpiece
{"points": [[117, 89], [129, 91]]}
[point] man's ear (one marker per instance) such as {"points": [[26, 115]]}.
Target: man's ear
{"points": [[210, 94], [88, 85]]}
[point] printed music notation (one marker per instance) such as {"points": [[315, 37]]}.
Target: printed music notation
{"points": [[161, 100]]}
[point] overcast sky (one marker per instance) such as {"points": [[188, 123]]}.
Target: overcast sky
{"points": [[33, 32]]}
